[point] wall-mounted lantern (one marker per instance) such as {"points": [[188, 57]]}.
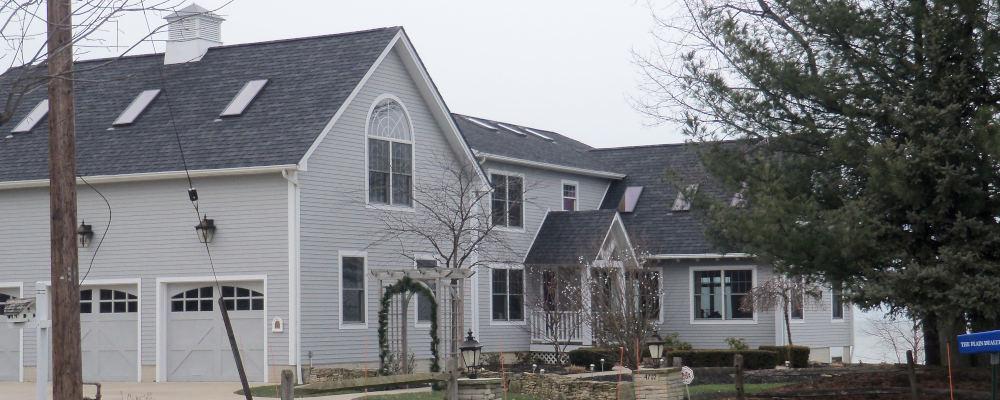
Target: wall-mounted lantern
{"points": [[655, 344], [84, 234], [206, 229]]}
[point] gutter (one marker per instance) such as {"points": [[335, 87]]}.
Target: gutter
{"points": [[679, 257], [153, 176], [551, 167]]}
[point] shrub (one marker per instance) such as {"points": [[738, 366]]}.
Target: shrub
{"points": [[576, 369], [752, 359], [492, 361], [798, 355], [673, 343], [592, 355], [737, 344]]}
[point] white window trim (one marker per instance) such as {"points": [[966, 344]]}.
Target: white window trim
{"points": [[843, 306], [340, 293], [690, 299], [562, 197], [494, 322], [524, 211], [413, 158], [416, 303]]}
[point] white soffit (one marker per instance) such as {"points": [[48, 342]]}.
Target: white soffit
{"points": [[244, 98], [137, 107], [33, 117]]}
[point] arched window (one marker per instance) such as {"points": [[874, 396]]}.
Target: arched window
{"points": [[390, 155]]}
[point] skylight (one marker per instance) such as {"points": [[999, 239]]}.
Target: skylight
{"points": [[244, 97], [682, 203], [512, 129], [630, 198], [537, 133], [137, 107], [33, 117], [481, 123]]}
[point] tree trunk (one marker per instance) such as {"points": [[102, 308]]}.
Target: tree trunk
{"points": [[949, 327], [932, 346], [788, 327]]}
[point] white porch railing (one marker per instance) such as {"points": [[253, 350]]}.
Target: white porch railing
{"points": [[561, 326]]}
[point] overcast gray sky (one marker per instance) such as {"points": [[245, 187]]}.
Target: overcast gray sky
{"points": [[558, 65]]}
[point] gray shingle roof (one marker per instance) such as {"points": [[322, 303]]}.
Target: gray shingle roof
{"points": [[570, 237], [309, 79], [560, 151], [654, 227]]}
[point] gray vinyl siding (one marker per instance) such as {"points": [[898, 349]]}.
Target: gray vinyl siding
{"points": [[334, 217], [818, 328], [677, 308], [152, 236], [543, 192]]}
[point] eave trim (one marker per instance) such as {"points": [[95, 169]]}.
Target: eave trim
{"points": [[551, 167], [154, 176]]}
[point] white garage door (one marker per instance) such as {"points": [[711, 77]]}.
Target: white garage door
{"points": [[10, 343], [198, 348], [109, 323]]}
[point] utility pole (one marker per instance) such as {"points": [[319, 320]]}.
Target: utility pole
{"points": [[67, 374]]}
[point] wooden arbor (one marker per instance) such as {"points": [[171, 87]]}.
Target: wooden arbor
{"points": [[396, 288]]}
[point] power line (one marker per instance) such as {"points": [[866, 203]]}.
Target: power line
{"points": [[94, 257]]}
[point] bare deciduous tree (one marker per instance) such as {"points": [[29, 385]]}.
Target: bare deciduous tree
{"points": [[554, 300], [895, 336], [452, 219], [784, 294]]}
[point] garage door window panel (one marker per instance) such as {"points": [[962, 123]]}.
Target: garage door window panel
{"points": [[193, 300], [242, 299]]}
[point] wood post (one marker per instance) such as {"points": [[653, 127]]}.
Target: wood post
{"points": [[738, 378], [911, 370], [404, 339], [453, 382], [287, 385], [67, 365]]}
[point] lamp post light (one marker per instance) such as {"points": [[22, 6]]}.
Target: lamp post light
{"points": [[602, 365], [471, 350], [655, 344], [206, 229], [84, 234]]}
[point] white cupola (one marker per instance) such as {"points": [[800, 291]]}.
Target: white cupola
{"points": [[191, 31]]}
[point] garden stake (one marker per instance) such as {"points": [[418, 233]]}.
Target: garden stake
{"points": [[277, 393], [951, 387], [620, 367], [638, 365], [503, 375]]}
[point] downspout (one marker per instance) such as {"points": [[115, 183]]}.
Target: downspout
{"points": [[294, 269]]}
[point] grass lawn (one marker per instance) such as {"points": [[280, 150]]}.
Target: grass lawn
{"points": [[270, 391], [435, 396], [728, 387]]}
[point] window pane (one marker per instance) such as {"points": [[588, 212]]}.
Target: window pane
{"points": [[499, 186], [86, 295], [516, 281], [120, 307], [500, 307], [206, 292], [354, 306], [427, 263], [230, 304], [402, 158], [389, 120], [423, 308], [499, 213], [738, 284], [86, 308], [838, 304], [133, 307], [569, 191], [241, 292], [378, 187], [796, 309], [207, 305], [569, 204], [402, 190], [243, 304], [190, 305], [353, 272], [499, 281], [514, 214], [516, 307], [106, 307], [707, 294], [106, 294], [378, 155], [258, 304]]}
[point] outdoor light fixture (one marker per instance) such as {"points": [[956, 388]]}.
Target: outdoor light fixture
{"points": [[471, 349], [206, 229], [656, 346], [84, 234], [602, 365]]}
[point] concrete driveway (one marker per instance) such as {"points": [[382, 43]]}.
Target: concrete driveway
{"points": [[160, 391]]}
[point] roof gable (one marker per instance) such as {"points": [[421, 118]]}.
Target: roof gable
{"points": [[309, 80], [575, 237]]}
